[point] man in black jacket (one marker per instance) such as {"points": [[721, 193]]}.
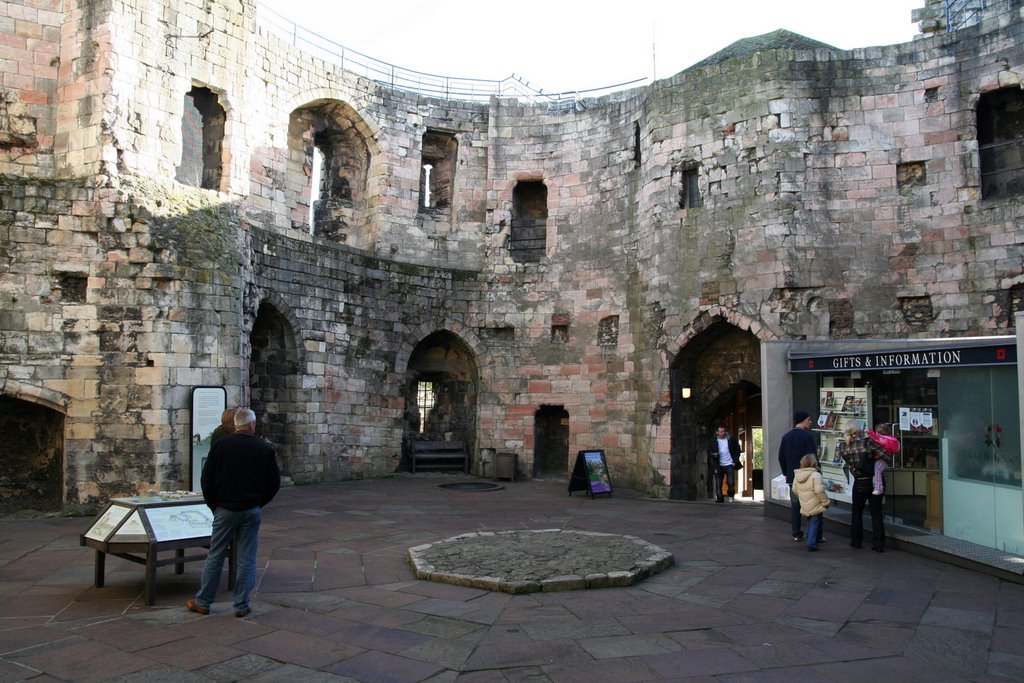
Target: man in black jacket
{"points": [[723, 457], [795, 444], [239, 478]]}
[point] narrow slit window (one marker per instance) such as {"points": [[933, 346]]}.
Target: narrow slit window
{"points": [[424, 400], [689, 191]]}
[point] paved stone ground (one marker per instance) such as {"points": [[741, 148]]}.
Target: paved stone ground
{"points": [[338, 601]]}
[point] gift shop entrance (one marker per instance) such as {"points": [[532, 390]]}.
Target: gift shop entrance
{"points": [[955, 412]]}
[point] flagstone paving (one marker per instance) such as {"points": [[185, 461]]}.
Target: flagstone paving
{"points": [[338, 600]]}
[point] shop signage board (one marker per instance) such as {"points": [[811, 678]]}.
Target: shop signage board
{"points": [[590, 474], [953, 357]]}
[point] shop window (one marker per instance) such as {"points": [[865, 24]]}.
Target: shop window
{"points": [[202, 138], [437, 170], [1001, 143], [689, 187], [527, 242]]}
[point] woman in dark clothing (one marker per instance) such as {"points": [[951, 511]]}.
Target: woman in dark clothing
{"points": [[859, 453]]}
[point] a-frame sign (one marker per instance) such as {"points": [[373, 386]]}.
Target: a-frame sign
{"points": [[590, 474]]}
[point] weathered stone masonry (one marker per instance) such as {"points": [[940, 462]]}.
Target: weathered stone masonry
{"points": [[839, 195]]}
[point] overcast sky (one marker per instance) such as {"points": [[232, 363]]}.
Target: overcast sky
{"points": [[561, 45]]}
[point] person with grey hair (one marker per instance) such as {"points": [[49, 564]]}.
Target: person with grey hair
{"points": [[239, 478]]}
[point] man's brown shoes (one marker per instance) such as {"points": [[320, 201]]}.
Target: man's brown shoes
{"points": [[243, 612], [193, 607]]}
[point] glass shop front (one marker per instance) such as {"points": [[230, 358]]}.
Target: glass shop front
{"points": [[953, 405]]}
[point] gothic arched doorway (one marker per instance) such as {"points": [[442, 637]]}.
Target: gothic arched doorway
{"points": [[275, 382], [32, 470], [715, 377], [440, 394]]}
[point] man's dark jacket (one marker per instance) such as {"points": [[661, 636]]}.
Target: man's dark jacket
{"points": [[240, 473], [734, 451], [795, 444]]}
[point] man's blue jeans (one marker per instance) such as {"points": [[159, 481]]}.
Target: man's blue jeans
{"points": [[794, 512], [244, 529], [728, 473]]}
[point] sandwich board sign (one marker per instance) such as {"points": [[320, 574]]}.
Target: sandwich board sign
{"points": [[590, 473]]}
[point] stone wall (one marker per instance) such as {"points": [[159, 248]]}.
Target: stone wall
{"points": [[839, 190]]}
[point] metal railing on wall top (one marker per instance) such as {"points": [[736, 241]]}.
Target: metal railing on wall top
{"points": [[430, 85]]}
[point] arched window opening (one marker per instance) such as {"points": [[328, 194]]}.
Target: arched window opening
{"points": [[328, 171], [440, 395]]}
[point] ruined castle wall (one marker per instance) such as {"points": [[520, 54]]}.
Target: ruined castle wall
{"points": [[840, 198], [29, 58]]}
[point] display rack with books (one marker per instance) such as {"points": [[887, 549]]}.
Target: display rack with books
{"points": [[838, 409]]}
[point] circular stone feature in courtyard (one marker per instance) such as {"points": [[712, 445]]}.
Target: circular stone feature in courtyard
{"points": [[541, 560]]}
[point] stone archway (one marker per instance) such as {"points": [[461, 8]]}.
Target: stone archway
{"points": [[275, 388], [32, 471], [721, 368], [441, 387]]}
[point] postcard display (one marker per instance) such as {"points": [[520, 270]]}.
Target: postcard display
{"points": [[838, 409], [138, 528]]}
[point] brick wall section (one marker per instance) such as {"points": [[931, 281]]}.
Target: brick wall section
{"points": [[803, 232]]}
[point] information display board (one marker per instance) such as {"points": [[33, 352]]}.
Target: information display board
{"points": [[138, 528], [590, 474], [207, 405]]}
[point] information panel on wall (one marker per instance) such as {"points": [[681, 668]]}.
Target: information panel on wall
{"points": [[207, 405], [590, 474]]}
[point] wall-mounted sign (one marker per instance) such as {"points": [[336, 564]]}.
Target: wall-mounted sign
{"points": [[590, 474], [207, 405], [950, 357]]}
